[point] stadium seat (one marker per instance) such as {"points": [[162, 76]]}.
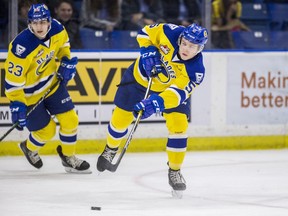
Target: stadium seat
{"points": [[278, 16], [259, 27], [123, 40], [252, 1], [255, 15], [94, 39], [278, 40], [285, 25], [254, 11], [251, 40]]}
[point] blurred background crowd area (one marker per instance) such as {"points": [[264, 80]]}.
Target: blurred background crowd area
{"points": [[113, 24]]}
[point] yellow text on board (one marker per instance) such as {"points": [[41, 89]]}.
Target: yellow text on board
{"points": [[95, 81]]}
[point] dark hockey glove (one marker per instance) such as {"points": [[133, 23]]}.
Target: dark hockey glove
{"points": [[151, 60], [151, 105], [19, 112], [67, 69]]}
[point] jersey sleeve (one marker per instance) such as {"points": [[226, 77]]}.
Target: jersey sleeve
{"points": [[184, 85], [16, 68], [64, 50], [150, 35], [178, 92]]}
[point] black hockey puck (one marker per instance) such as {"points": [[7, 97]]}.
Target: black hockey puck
{"points": [[96, 208]]}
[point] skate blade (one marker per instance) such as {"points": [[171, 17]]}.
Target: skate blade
{"points": [[176, 194], [72, 170], [29, 160]]}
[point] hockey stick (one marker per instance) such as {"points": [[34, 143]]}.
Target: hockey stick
{"points": [[33, 108], [113, 167]]}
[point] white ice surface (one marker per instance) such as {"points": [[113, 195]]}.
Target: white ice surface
{"points": [[226, 183]]}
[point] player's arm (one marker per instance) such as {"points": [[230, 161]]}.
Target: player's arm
{"points": [[64, 49], [150, 35], [178, 92], [172, 97], [15, 76], [15, 79], [67, 67], [192, 75], [148, 39]]}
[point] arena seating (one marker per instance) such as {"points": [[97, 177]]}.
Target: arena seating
{"points": [[278, 16], [269, 25], [278, 40], [251, 40], [255, 16], [92, 39], [96, 39], [123, 40]]}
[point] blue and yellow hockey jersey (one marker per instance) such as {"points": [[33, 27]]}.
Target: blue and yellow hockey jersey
{"points": [[180, 77], [30, 67]]}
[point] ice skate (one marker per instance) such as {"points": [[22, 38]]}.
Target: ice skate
{"points": [[32, 156], [105, 159], [73, 164], [177, 182]]}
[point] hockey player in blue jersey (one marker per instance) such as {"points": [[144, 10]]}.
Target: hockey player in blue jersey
{"points": [[30, 70], [171, 56]]}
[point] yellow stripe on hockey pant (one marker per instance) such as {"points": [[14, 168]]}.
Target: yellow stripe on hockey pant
{"points": [[120, 121], [68, 122], [42, 136]]}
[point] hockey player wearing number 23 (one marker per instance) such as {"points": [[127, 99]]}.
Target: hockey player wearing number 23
{"points": [[30, 71], [171, 56]]}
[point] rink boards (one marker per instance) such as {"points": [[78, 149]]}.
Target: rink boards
{"points": [[242, 102]]}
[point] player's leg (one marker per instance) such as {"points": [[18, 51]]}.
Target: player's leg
{"points": [[61, 105], [68, 122], [41, 132], [129, 93], [177, 125], [117, 130]]}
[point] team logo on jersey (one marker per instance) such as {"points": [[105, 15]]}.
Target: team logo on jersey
{"points": [[167, 73], [164, 77], [165, 49], [43, 62], [20, 49], [42, 67], [40, 53], [199, 77]]}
